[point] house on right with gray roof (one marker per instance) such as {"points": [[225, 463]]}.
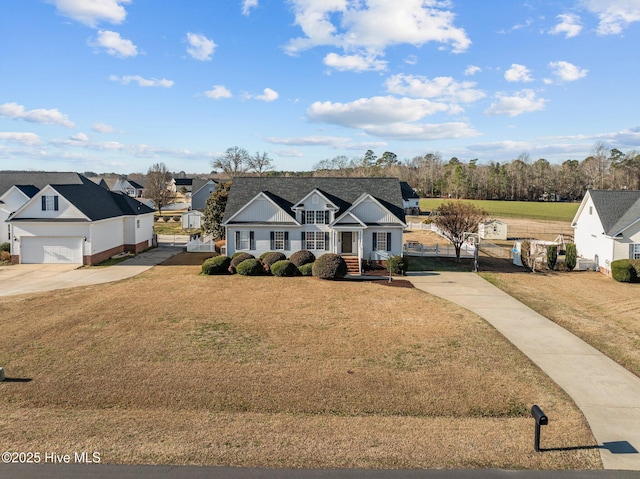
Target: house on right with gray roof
{"points": [[607, 227]]}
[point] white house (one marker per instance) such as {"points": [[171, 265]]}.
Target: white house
{"points": [[492, 230], [607, 226], [73, 222], [410, 199], [358, 218]]}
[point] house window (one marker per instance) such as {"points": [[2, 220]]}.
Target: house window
{"points": [[50, 203], [590, 210], [244, 238], [279, 240], [137, 223], [382, 241], [315, 240], [635, 251], [318, 217]]}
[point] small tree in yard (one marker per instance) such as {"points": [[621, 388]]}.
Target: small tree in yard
{"points": [[455, 218], [552, 256], [571, 256], [214, 211], [157, 186]]}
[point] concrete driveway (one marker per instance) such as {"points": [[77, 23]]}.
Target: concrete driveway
{"points": [[34, 278]]}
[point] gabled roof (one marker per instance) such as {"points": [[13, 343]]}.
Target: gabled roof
{"points": [[38, 179], [136, 185], [617, 209], [407, 191], [95, 202], [288, 191], [199, 183], [28, 190]]}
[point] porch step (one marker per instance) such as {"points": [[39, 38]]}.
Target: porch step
{"points": [[353, 265]]}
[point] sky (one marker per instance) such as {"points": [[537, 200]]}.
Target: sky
{"points": [[119, 85]]}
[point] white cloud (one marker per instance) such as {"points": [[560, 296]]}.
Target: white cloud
{"points": [[444, 88], [115, 44], [518, 73], [143, 82], [472, 70], [81, 137], [614, 15], [217, 92], [268, 95], [423, 132], [102, 128], [524, 101], [335, 142], [44, 117], [247, 5], [357, 63], [91, 12], [566, 71], [569, 25], [368, 28], [201, 48], [26, 139]]}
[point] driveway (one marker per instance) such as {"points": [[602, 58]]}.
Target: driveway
{"points": [[34, 278]]}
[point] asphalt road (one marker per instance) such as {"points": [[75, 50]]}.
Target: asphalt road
{"points": [[107, 471]]}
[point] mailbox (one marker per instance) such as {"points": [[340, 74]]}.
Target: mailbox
{"points": [[541, 420]]}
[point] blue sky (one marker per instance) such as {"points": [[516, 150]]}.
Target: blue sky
{"points": [[117, 85]]}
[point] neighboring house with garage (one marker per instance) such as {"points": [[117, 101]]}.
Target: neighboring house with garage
{"points": [[361, 219], [410, 199], [607, 227], [70, 219], [201, 191]]}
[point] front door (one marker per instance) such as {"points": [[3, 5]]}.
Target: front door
{"points": [[347, 240]]}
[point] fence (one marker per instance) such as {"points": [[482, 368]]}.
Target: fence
{"points": [[495, 250], [418, 249]]}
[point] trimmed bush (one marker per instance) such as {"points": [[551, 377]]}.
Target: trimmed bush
{"points": [[552, 256], [273, 257], [216, 265], [237, 253], [250, 267], [5, 247], [635, 264], [571, 257], [306, 269], [284, 268], [397, 264], [621, 270], [302, 257], [5, 256], [329, 266], [264, 254], [238, 258]]}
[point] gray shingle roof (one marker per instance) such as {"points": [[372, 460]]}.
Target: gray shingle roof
{"points": [[617, 209], [287, 191], [407, 191], [39, 179]]}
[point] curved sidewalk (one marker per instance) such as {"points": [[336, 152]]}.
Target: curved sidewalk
{"points": [[607, 394]]}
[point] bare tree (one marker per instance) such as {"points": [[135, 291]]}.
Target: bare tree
{"points": [[455, 218], [158, 186], [233, 163], [260, 163]]}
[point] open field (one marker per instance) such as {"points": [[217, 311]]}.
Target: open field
{"points": [[540, 210], [175, 368], [601, 311]]}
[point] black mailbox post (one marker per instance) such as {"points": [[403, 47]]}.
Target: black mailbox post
{"points": [[541, 420]]}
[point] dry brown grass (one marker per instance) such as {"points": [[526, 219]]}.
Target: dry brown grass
{"points": [[176, 368], [601, 311]]}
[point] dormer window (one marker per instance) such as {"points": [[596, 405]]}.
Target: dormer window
{"points": [[318, 217], [50, 203]]}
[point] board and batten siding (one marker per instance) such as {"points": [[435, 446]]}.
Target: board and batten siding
{"points": [[261, 209], [370, 212]]}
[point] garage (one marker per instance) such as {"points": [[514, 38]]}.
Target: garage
{"points": [[51, 249]]}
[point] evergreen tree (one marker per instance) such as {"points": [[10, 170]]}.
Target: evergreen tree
{"points": [[214, 211]]}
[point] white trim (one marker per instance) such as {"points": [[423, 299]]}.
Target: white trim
{"points": [[253, 200], [46, 192], [361, 199], [304, 199]]}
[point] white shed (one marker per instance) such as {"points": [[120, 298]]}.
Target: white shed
{"points": [[191, 220], [492, 230]]}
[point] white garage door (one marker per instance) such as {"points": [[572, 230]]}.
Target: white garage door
{"points": [[50, 249]]}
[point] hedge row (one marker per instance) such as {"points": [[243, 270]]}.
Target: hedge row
{"points": [[626, 270], [327, 266]]}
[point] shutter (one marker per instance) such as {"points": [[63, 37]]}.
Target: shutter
{"points": [[44, 203], [303, 219], [252, 240], [388, 241], [375, 241], [55, 203], [237, 240], [286, 240], [273, 241], [326, 241], [631, 250], [326, 217], [304, 241]]}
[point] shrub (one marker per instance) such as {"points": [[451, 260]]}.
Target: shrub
{"points": [[250, 267], [177, 218], [5, 247], [635, 264], [306, 269], [329, 266], [238, 258], [272, 257], [552, 256], [166, 218], [216, 265], [5, 256], [284, 268], [397, 264], [621, 270], [237, 253], [261, 257], [525, 253], [302, 257], [571, 256]]}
